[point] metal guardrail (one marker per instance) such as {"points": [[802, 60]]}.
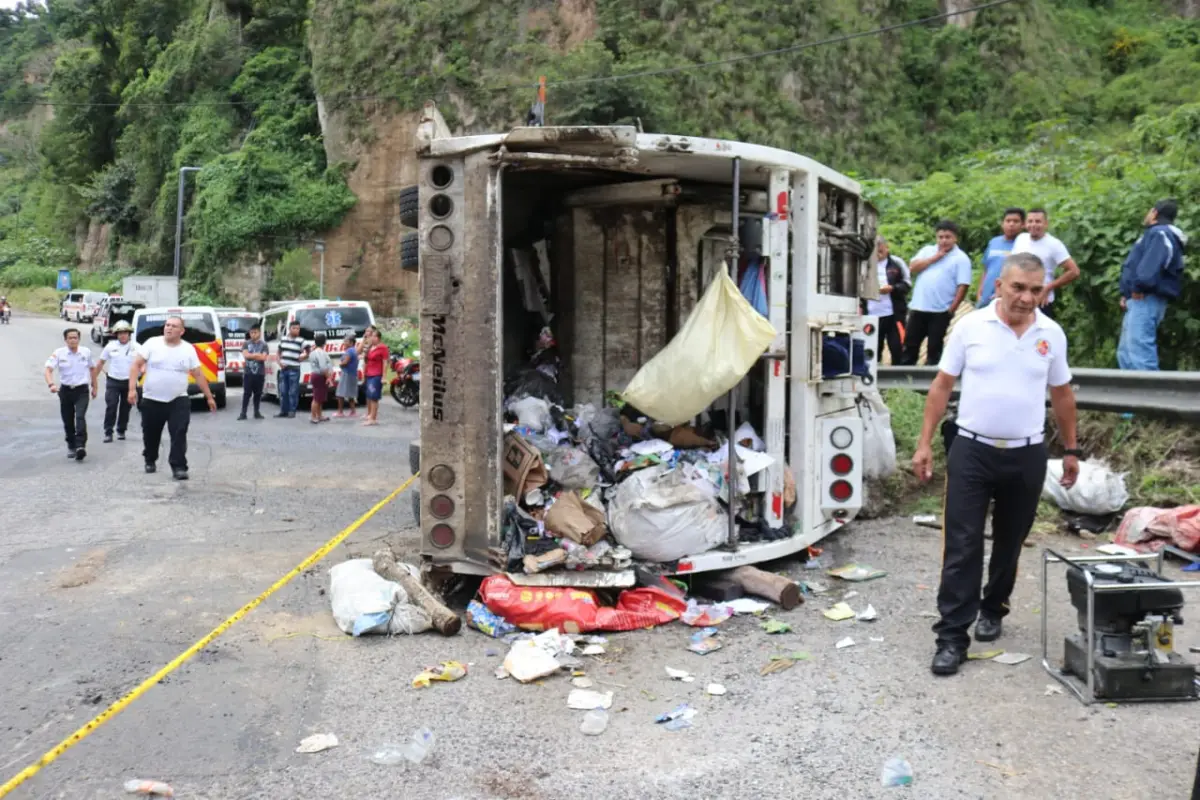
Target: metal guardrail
{"points": [[1174, 394]]}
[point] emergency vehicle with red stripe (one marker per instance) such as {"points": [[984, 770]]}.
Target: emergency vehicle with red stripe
{"points": [[201, 329], [334, 318], [235, 329]]}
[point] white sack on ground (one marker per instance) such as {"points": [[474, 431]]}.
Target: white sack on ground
{"points": [[717, 346], [363, 602], [660, 516], [1098, 490]]}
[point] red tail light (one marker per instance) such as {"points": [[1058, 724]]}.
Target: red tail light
{"points": [[441, 506], [841, 491], [441, 536], [841, 464]]}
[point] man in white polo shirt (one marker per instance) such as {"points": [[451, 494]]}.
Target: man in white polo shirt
{"points": [[76, 371], [1006, 354], [943, 273], [167, 361], [1050, 251]]}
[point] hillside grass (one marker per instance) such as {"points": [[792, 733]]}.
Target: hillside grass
{"points": [[32, 300]]}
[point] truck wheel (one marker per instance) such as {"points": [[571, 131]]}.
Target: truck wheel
{"points": [[410, 252], [410, 206], [414, 456], [416, 507]]}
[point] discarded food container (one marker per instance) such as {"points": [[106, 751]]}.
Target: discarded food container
{"points": [[896, 772], [594, 722]]}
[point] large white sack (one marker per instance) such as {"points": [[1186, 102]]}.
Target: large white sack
{"points": [[1098, 490], [879, 445], [660, 516], [363, 602], [717, 346]]}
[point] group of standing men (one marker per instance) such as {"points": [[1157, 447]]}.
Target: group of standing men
{"points": [[1150, 278]]}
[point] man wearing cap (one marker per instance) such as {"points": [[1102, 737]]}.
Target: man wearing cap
{"points": [[1007, 354], [117, 356], [1151, 276], [76, 370]]}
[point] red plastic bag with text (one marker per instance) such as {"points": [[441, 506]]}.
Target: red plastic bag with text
{"points": [[540, 608]]}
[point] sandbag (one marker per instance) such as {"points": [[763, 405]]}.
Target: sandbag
{"points": [[879, 445], [1098, 490], [661, 516], [577, 610], [721, 340]]}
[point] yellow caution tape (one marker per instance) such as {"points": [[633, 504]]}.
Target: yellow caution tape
{"points": [[120, 705]]}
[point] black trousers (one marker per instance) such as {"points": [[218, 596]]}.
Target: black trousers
{"points": [[1048, 309], [889, 334], [175, 415], [922, 325], [976, 474], [73, 405], [252, 385], [116, 405]]}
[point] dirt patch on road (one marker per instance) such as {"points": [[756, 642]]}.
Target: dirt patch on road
{"points": [[83, 571]]}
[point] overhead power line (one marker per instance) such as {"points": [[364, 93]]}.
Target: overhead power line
{"points": [[649, 73]]}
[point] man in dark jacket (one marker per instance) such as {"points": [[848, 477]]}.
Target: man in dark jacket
{"points": [[892, 305], [1151, 276]]}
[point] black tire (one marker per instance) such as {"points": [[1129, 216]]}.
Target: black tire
{"points": [[410, 252], [414, 456], [219, 396], [409, 395], [396, 393], [410, 206]]}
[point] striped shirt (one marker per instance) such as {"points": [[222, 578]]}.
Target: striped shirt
{"points": [[289, 352]]}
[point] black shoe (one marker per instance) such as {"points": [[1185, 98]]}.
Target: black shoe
{"points": [[150, 468], [179, 474], [80, 454], [71, 454], [241, 417], [947, 659], [281, 414], [987, 629], [121, 435], [292, 415], [258, 415], [107, 438]]}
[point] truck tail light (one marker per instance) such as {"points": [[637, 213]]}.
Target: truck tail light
{"points": [[841, 464], [441, 477], [841, 491], [441, 506], [841, 438], [441, 536]]}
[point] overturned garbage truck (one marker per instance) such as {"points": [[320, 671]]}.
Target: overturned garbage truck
{"points": [[555, 263]]}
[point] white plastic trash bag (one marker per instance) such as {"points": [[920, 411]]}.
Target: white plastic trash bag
{"points": [[661, 516], [716, 347], [879, 445], [363, 602], [1098, 490]]}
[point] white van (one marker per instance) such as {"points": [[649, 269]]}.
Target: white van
{"points": [[334, 318], [201, 329], [82, 306], [235, 330]]}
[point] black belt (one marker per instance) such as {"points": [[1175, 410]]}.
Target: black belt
{"points": [[75, 386]]}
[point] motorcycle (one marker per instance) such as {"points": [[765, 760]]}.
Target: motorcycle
{"points": [[406, 383], [6, 314]]}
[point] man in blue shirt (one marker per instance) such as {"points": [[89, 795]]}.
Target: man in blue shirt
{"points": [[1150, 276], [943, 273], [997, 250]]}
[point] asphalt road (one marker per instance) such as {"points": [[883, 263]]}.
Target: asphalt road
{"points": [[107, 573]]}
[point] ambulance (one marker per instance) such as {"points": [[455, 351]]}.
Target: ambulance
{"points": [[235, 330], [334, 318], [202, 329]]}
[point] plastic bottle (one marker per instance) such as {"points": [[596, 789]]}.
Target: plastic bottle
{"points": [[594, 722], [896, 772], [417, 749]]}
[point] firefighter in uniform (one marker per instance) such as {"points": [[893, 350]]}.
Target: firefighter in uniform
{"points": [[1006, 355], [116, 357]]}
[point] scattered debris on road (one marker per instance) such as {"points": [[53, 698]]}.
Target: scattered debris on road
{"points": [[857, 572], [157, 788], [317, 743], [896, 772], [839, 612], [447, 671]]}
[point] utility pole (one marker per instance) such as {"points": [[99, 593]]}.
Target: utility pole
{"points": [[319, 244], [179, 216]]}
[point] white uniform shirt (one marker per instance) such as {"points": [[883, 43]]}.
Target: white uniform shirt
{"points": [[74, 369], [167, 369], [883, 306], [1004, 378], [117, 358], [1049, 250]]}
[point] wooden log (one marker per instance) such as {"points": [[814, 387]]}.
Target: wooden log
{"points": [[769, 585], [445, 621]]}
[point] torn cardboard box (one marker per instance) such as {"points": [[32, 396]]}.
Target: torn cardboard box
{"points": [[580, 522], [523, 467]]}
